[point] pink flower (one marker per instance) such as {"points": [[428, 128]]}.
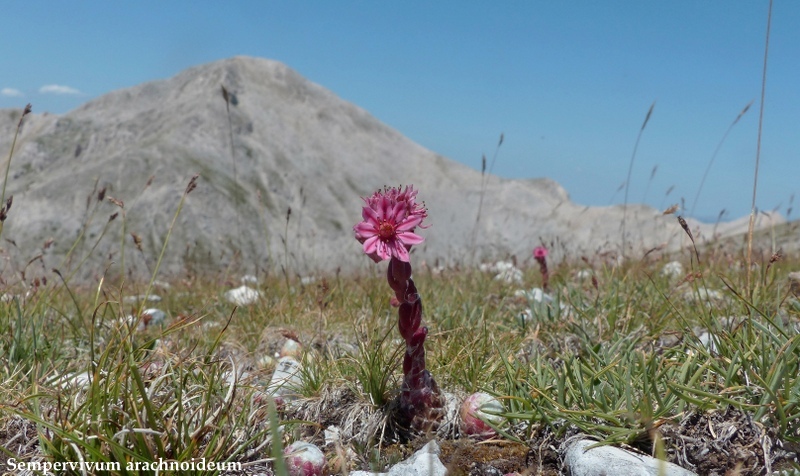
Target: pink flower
{"points": [[390, 218], [407, 196], [540, 255]]}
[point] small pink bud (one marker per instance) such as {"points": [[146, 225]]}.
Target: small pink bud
{"points": [[304, 459], [478, 409]]}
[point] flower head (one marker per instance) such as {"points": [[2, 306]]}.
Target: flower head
{"points": [[540, 252], [389, 220]]}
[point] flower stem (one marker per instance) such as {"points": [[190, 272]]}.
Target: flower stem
{"points": [[421, 404]]}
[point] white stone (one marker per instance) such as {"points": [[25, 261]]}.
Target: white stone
{"points": [[535, 295], [539, 301], [243, 296], [525, 317], [140, 298], [76, 380], [149, 318], [707, 339], [703, 294], [510, 276], [425, 462], [287, 379], [333, 435], [8, 297], [161, 284], [153, 317], [505, 271], [609, 460], [673, 269]]}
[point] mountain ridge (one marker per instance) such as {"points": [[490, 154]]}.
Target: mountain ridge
{"points": [[296, 146]]}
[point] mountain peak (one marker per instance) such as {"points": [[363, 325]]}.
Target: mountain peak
{"points": [[284, 144]]}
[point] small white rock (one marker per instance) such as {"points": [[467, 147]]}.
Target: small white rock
{"points": [[333, 435], [703, 294], [286, 380], [510, 277], [507, 272], [149, 318], [7, 297], [673, 269], [707, 339], [76, 380], [504, 271], [424, 462], [535, 295], [540, 301], [243, 296], [153, 317], [140, 298], [265, 361], [582, 461], [161, 284]]}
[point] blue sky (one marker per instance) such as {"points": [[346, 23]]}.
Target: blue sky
{"points": [[567, 83]]}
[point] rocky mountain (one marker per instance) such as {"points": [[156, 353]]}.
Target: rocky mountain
{"points": [[287, 144]]}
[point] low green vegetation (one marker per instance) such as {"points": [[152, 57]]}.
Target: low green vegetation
{"points": [[622, 353]]}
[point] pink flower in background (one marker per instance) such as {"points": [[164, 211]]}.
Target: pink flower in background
{"points": [[540, 255], [390, 218]]}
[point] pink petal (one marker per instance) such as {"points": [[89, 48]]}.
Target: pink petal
{"points": [[399, 211], [399, 251], [384, 208], [383, 250], [408, 238], [365, 230], [371, 244], [369, 215], [409, 223]]}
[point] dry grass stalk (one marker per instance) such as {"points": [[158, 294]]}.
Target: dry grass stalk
{"points": [[688, 231], [670, 210], [758, 153], [630, 170], [484, 182], [714, 156], [116, 201], [25, 112]]}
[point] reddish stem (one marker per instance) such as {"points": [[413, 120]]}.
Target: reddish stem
{"points": [[420, 400], [543, 269]]}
